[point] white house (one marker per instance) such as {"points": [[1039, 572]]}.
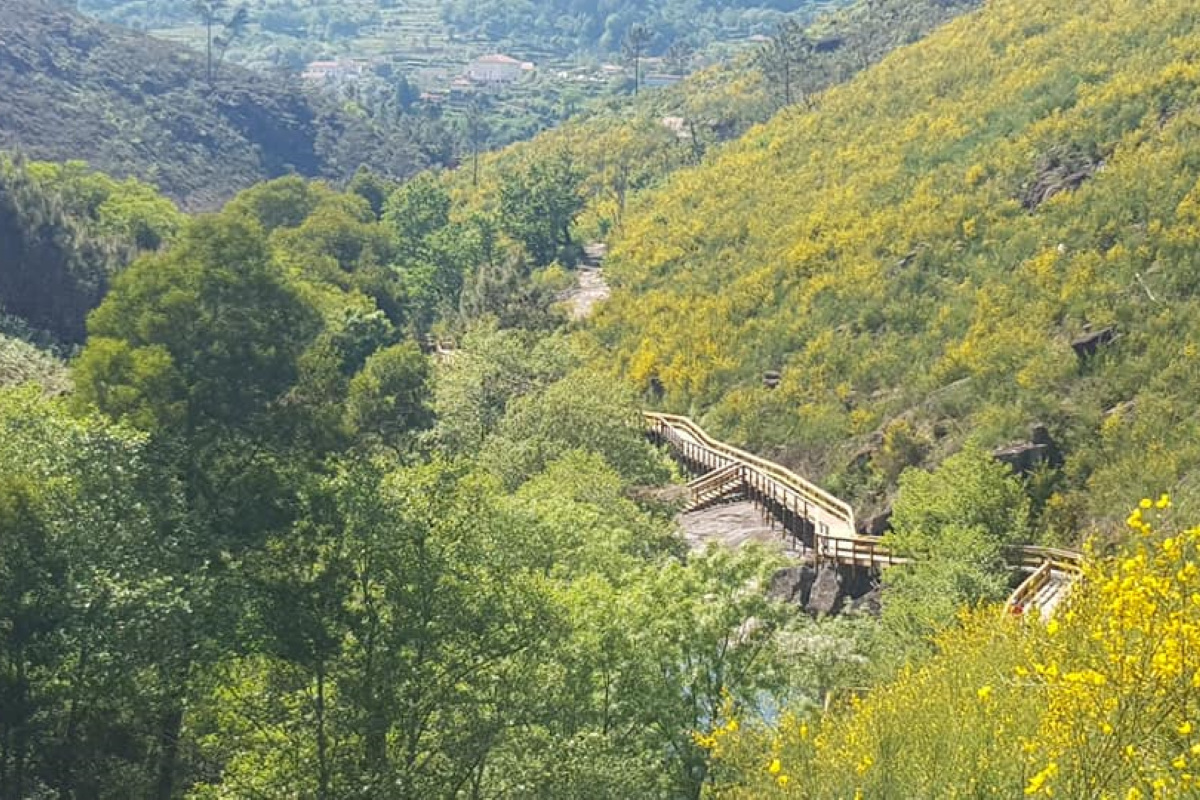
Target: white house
{"points": [[496, 69], [332, 71]]}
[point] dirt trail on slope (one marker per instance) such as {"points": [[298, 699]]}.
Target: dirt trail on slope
{"points": [[590, 286]]}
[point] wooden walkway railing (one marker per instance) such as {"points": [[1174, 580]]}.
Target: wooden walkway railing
{"points": [[823, 523]]}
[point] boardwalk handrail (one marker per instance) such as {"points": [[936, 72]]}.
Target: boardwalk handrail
{"points": [[1030, 586], [714, 478], [852, 548], [1032, 556], [809, 491]]}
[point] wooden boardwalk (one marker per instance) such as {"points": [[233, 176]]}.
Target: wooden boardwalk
{"points": [[823, 525]]}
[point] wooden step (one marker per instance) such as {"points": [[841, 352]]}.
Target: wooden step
{"points": [[715, 486]]}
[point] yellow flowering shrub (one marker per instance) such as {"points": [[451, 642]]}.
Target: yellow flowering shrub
{"points": [[753, 761], [1121, 671], [1103, 701]]}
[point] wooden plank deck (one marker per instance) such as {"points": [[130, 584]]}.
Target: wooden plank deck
{"points": [[823, 523]]}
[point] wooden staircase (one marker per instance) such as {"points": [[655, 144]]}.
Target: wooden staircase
{"points": [[1046, 587], [719, 486]]}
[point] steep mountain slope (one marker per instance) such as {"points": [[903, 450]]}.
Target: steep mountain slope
{"points": [[134, 105], [919, 252], [631, 145]]}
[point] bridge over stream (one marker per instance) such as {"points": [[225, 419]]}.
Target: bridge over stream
{"points": [[822, 525]]}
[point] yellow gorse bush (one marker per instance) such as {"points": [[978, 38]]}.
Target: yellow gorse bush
{"points": [[1102, 702], [1121, 673]]}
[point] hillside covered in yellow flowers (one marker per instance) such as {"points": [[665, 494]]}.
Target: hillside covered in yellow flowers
{"points": [[917, 251]]}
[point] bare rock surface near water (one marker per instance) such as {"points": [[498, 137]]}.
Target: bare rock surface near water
{"points": [[733, 525], [590, 288]]}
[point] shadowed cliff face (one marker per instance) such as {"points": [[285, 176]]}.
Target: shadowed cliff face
{"points": [[133, 105]]}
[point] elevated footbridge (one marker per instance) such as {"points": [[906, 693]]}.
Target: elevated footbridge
{"points": [[823, 524]]}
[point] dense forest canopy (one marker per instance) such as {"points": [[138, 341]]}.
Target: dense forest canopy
{"points": [[260, 489], [65, 232]]}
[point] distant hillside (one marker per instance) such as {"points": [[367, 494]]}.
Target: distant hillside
{"points": [[560, 27], [924, 254], [603, 27], [134, 105], [624, 148]]}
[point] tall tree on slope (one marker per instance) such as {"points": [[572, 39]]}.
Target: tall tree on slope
{"points": [[231, 26]]}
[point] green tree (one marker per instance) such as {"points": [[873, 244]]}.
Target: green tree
{"points": [[780, 58], [372, 187], [200, 346], [954, 523], [387, 399], [415, 213], [968, 491], [86, 611], [338, 238], [678, 58], [33, 604], [583, 410], [538, 206], [434, 254], [229, 23], [57, 266], [509, 292], [589, 523], [425, 618], [491, 368], [202, 340], [281, 203], [671, 645], [127, 210], [634, 48], [475, 129]]}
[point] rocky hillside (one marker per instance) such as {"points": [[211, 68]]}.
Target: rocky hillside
{"points": [[993, 228]]}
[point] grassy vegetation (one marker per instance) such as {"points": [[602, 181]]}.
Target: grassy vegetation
{"points": [[921, 247]]}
